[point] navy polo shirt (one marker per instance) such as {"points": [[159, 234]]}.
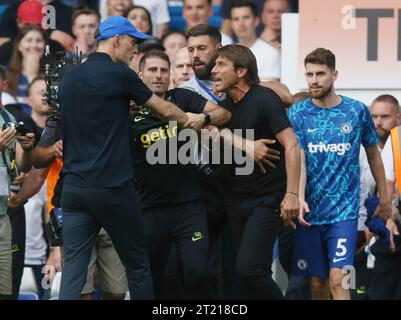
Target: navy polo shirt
{"points": [[94, 98]]}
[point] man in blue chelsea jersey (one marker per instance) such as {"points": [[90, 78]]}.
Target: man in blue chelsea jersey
{"points": [[330, 130]]}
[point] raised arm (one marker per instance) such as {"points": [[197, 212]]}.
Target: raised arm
{"points": [[167, 110], [44, 156], [218, 115]]}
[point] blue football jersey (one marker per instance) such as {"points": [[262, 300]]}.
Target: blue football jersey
{"points": [[331, 139]]}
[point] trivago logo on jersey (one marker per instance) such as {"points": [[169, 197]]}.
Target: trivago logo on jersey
{"points": [[339, 148]]}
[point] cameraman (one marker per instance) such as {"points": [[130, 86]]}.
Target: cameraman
{"points": [[12, 155]]}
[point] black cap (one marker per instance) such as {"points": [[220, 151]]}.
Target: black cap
{"points": [[151, 44]]}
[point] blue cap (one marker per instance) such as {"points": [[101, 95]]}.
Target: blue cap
{"points": [[116, 25]]}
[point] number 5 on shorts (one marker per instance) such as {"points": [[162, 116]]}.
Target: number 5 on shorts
{"points": [[341, 249]]}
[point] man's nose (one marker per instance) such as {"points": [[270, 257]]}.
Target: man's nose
{"points": [[315, 80]]}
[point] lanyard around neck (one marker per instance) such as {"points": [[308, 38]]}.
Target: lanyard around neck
{"points": [[208, 91]]}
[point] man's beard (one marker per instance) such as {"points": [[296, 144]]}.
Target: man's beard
{"points": [[321, 95], [383, 136], [206, 72]]}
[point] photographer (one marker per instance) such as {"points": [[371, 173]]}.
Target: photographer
{"points": [[17, 213], [16, 151]]}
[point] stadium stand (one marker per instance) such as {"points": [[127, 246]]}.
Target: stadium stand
{"points": [[178, 23]]}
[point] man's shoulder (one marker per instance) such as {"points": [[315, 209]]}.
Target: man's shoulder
{"points": [[173, 94], [355, 109], [261, 45], [190, 84], [263, 93], [352, 102], [181, 91], [92, 65], [298, 108], [16, 111]]}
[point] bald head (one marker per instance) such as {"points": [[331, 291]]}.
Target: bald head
{"points": [[182, 67], [121, 48]]}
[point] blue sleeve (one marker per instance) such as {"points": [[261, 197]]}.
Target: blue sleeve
{"points": [[369, 134], [295, 120]]}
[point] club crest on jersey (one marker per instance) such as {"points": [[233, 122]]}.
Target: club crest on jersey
{"points": [[346, 127], [302, 264]]}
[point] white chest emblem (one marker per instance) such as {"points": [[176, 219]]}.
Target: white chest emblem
{"points": [[346, 127]]}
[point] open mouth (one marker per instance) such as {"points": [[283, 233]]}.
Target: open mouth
{"points": [[218, 82], [120, 8], [198, 64]]}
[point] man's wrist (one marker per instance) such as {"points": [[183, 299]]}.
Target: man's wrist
{"points": [[207, 119], [384, 202], [245, 145]]}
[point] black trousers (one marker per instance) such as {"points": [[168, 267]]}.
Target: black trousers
{"points": [[385, 281], [85, 211], [254, 225], [218, 279], [18, 230], [184, 225], [37, 270]]}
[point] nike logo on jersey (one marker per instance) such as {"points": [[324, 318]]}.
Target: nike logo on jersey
{"points": [[197, 236], [312, 130], [338, 259]]}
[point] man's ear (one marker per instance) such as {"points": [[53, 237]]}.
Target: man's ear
{"points": [[29, 100], [116, 41], [140, 75], [398, 118], [335, 75], [241, 72]]}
